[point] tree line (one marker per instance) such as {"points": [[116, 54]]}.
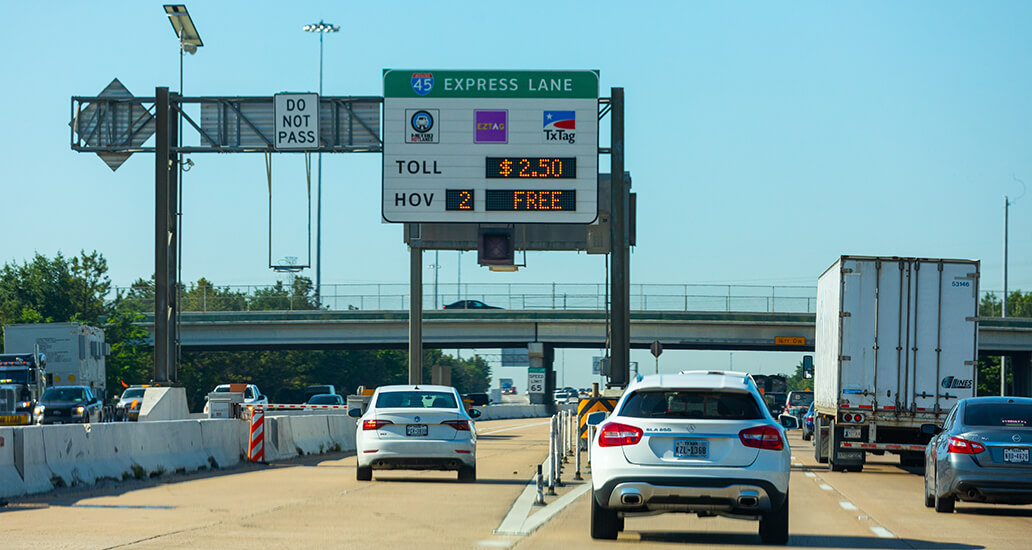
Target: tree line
{"points": [[78, 289]]}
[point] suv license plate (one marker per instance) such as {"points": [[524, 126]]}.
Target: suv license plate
{"points": [[416, 429], [691, 448], [1015, 455], [851, 433]]}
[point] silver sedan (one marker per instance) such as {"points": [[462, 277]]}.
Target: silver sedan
{"points": [[981, 454]]}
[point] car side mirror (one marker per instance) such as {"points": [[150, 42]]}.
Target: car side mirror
{"points": [[474, 413], [930, 429], [355, 413], [789, 422], [596, 418]]}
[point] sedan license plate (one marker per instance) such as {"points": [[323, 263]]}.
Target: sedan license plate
{"points": [[416, 429], [1015, 455], [851, 433], [691, 448]]}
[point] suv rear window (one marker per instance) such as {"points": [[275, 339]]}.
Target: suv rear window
{"points": [[702, 404], [1014, 415], [416, 400], [800, 399]]}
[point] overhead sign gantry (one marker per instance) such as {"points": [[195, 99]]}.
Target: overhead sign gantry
{"points": [[490, 146]]}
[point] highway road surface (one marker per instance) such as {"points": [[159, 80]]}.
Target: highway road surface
{"points": [[315, 502]]}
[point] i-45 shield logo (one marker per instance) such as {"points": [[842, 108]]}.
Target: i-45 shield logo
{"points": [[422, 83]]}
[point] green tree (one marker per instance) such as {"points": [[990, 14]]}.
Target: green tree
{"points": [[1019, 304]]}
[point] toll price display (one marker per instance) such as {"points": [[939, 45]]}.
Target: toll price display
{"points": [[458, 199], [531, 199], [531, 167]]}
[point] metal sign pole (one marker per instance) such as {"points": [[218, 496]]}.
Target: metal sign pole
{"points": [[415, 315], [619, 367]]}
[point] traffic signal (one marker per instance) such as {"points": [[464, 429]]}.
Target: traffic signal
{"points": [[495, 247]]}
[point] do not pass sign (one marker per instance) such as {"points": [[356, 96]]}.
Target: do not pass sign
{"points": [[297, 121]]}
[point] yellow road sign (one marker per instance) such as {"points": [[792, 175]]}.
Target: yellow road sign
{"points": [[590, 405]]}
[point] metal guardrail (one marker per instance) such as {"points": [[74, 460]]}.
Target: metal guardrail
{"points": [[513, 296]]}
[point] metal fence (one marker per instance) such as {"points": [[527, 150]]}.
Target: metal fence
{"points": [[520, 296], [513, 296]]}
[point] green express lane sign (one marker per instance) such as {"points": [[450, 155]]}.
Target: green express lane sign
{"points": [[452, 139]]}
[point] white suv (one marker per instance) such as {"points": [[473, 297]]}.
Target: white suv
{"points": [[698, 442]]}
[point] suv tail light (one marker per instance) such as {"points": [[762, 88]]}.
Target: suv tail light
{"points": [[375, 424], [460, 425], [762, 437], [964, 447], [615, 434]]}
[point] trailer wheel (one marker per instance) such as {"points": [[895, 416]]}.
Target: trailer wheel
{"points": [[820, 441]]}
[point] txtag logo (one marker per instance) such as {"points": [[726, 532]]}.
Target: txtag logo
{"points": [[958, 383], [560, 126], [421, 126]]}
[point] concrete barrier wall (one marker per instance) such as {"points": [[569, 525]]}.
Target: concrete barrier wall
{"points": [[501, 412], [11, 483], [36, 459]]}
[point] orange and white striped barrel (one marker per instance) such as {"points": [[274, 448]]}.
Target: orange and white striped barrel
{"points": [[256, 445]]}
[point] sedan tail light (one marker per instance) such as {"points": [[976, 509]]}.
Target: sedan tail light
{"points": [[616, 434], [375, 424], [460, 425], [964, 447], [762, 437]]}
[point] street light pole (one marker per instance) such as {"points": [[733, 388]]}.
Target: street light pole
{"points": [[322, 28]]}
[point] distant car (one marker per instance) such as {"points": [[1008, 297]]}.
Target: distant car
{"points": [[252, 395], [469, 304], [983, 453], [416, 428], [129, 404], [807, 424], [697, 442], [318, 389], [69, 404], [775, 402], [326, 399], [478, 399], [797, 403]]}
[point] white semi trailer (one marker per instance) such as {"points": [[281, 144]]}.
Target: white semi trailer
{"points": [[75, 353], [896, 347]]}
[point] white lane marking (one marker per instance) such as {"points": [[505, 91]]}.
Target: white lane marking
{"points": [[493, 544], [846, 505], [798, 464], [882, 532], [810, 475], [520, 427], [793, 458], [827, 487], [539, 519], [514, 520]]}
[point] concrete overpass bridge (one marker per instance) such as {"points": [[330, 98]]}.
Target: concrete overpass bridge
{"points": [[733, 331]]}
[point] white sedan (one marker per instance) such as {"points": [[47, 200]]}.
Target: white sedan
{"points": [[697, 442], [416, 427]]}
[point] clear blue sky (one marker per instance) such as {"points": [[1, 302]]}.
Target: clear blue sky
{"points": [[764, 138]]}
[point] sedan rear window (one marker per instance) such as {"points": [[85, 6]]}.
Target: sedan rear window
{"points": [[1015, 415], [416, 400], [702, 404]]}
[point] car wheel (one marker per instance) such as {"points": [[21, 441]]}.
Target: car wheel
{"points": [[929, 497], [604, 522], [620, 524], [807, 436], [774, 525], [943, 504], [467, 474], [364, 473]]}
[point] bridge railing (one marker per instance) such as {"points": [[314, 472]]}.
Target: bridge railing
{"points": [[520, 296], [512, 296]]}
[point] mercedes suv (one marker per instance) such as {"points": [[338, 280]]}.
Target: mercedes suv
{"points": [[697, 442]]}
